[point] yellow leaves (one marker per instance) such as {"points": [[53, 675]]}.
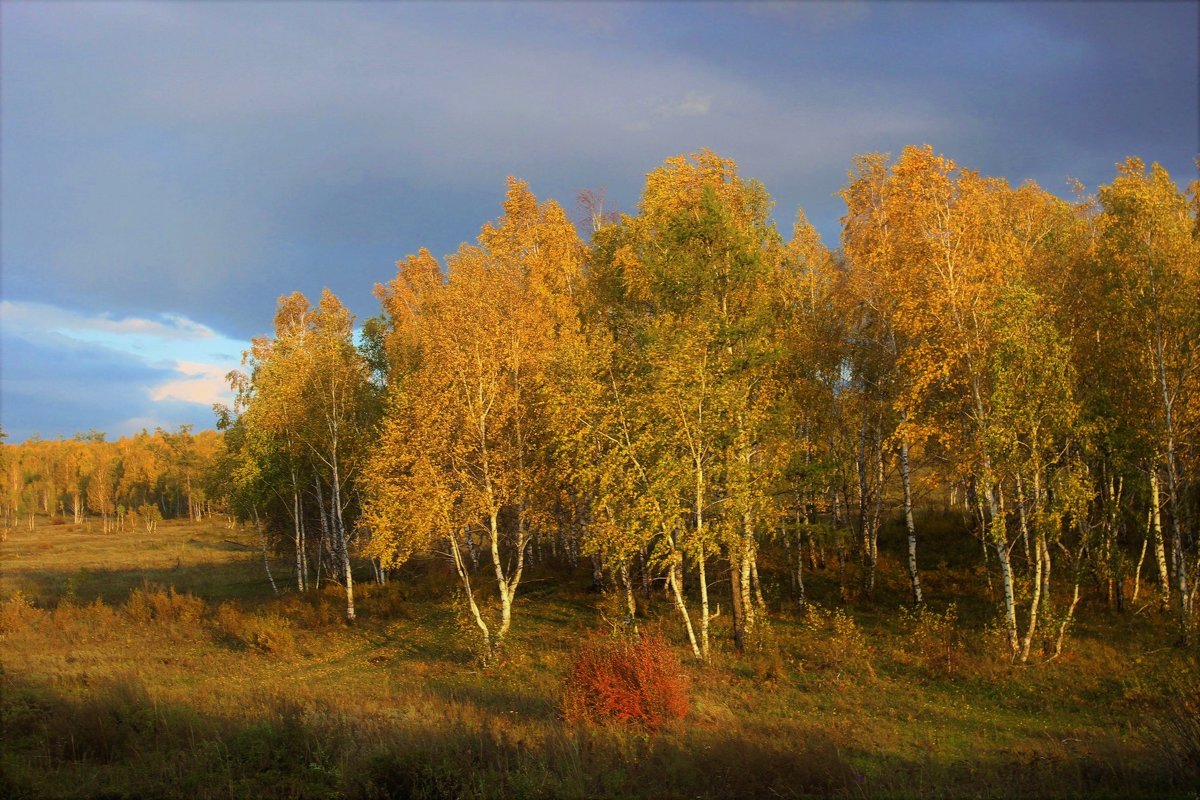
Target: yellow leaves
{"points": [[948, 273], [678, 186], [1142, 313], [465, 433], [416, 278], [291, 314], [409, 500]]}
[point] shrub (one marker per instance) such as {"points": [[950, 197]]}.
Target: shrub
{"points": [[836, 642], [270, 633], [313, 610], [138, 608], [171, 610], [229, 622], [768, 663], [933, 638], [172, 607], [636, 681], [17, 612]]}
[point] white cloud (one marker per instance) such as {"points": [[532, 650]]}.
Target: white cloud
{"points": [[30, 317], [200, 383], [171, 365]]}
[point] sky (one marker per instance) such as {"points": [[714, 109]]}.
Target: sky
{"points": [[169, 170]]}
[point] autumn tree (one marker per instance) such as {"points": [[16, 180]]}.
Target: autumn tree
{"points": [[309, 399], [883, 241], [465, 435], [1148, 259], [688, 285], [813, 334]]}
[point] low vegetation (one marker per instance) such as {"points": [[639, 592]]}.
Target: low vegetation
{"points": [[128, 679], [633, 679]]}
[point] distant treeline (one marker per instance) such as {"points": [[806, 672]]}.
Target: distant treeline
{"points": [[150, 475], [689, 387]]}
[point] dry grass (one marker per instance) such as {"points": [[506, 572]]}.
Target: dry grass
{"points": [[116, 686]]}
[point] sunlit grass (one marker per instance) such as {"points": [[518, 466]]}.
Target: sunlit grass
{"points": [[115, 685]]}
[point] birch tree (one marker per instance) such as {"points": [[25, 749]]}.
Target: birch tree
{"points": [[1148, 250], [309, 391], [482, 343]]}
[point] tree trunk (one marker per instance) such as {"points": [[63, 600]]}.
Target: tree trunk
{"points": [[1160, 550], [304, 546], [909, 524], [801, 526], [1023, 521], [864, 521], [506, 584], [464, 576], [323, 544], [754, 581], [702, 557], [1010, 608], [746, 573], [1137, 573], [735, 602], [630, 604], [681, 605], [1034, 607], [597, 573], [999, 537], [296, 534], [704, 613], [1174, 496], [1062, 629], [501, 581], [340, 526], [262, 535]]}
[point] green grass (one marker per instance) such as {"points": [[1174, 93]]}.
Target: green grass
{"points": [[241, 694]]}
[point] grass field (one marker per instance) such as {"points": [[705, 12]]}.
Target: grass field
{"points": [[161, 665]]}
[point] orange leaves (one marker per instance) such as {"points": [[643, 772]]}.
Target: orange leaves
{"points": [[416, 278], [952, 278], [470, 355], [638, 682]]}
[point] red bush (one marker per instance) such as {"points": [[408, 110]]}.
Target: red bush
{"points": [[635, 681]]}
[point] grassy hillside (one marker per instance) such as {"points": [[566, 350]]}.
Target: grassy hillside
{"points": [[162, 665]]}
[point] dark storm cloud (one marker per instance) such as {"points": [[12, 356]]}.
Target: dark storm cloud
{"points": [[203, 159]]}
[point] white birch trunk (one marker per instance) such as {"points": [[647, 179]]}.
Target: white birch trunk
{"points": [[704, 612], [909, 524], [681, 604], [340, 526], [296, 534], [1160, 550], [1034, 606], [464, 576]]}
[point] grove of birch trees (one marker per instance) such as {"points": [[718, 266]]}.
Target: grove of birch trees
{"points": [[682, 389], [131, 482]]}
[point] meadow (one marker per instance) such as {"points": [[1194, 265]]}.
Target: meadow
{"points": [[162, 665]]}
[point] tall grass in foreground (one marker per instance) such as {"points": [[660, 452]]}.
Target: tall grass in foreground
{"points": [[280, 728], [114, 685]]}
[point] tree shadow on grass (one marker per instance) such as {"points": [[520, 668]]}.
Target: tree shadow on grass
{"points": [[114, 739], [211, 582]]}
